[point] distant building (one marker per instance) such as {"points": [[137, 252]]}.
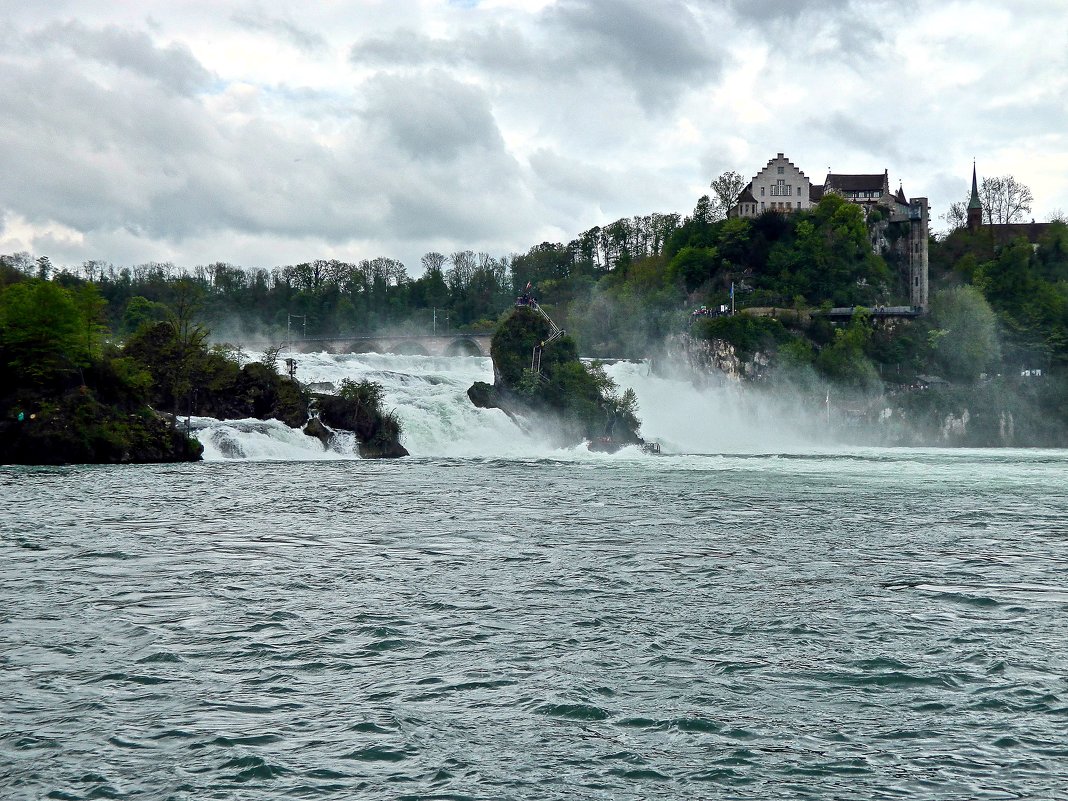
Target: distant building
{"points": [[779, 186], [1001, 233], [975, 208], [902, 229], [867, 190]]}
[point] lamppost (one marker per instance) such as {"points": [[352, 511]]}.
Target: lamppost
{"points": [[289, 320]]}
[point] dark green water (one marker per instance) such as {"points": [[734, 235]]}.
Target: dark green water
{"points": [[876, 626]]}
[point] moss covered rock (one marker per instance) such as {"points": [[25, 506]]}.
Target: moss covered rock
{"points": [[567, 399], [357, 407]]}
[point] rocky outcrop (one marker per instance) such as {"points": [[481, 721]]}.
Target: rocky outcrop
{"points": [[315, 428], [704, 356], [78, 428], [357, 408], [540, 382]]}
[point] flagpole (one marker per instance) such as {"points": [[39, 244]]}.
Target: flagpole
{"points": [[732, 298]]}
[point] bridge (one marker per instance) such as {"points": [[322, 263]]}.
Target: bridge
{"points": [[473, 344], [876, 312]]}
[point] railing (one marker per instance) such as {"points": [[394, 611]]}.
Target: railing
{"points": [[555, 332]]}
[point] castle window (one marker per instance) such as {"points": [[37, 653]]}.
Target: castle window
{"points": [[781, 189], [762, 191], [799, 191], [782, 170], [762, 202]]}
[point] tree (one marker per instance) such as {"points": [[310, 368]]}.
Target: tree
{"points": [[726, 189], [41, 330], [965, 339], [693, 266], [956, 215], [1004, 199]]}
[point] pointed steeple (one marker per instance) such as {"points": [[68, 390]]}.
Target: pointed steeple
{"points": [[974, 202], [975, 208]]}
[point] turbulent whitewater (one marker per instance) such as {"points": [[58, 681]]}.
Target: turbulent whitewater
{"points": [[429, 395]]}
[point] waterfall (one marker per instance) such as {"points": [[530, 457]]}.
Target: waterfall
{"points": [[429, 395]]}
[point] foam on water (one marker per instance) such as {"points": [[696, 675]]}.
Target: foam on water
{"points": [[265, 440], [429, 395]]}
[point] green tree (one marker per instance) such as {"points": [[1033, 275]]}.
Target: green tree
{"points": [[692, 266], [726, 188], [42, 331], [965, 337]]}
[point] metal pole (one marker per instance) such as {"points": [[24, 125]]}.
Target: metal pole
{"points": [[435, 321]]}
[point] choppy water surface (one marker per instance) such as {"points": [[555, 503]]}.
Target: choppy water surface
{"points": [[882, 624]]}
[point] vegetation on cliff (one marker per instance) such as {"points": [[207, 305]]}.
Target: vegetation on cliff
{"points": [[357, 407], [70, 396], [74, 395], [999, 307], [581, 400]]}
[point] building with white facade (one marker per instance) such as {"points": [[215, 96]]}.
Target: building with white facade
{"points": [[780, 186]]}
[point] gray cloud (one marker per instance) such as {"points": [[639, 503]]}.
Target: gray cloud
{"points": [[655, 47], [490, 127], [656, 51], [845, 131], [431, 116], [853, 32], [173, 66], [763, 11]]}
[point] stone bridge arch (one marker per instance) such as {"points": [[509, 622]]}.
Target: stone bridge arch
{"points": [[477, 344]]}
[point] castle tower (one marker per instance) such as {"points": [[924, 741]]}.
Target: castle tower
{"points": [[975, 208]]}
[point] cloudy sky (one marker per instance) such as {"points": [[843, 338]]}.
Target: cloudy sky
{"points": [[264, 133]]}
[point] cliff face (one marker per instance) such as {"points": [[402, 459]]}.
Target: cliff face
{"points": [[999, 412], [705, 356], [358, 408]]}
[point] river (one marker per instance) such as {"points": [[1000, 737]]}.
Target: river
{"points": [[754, 615]]}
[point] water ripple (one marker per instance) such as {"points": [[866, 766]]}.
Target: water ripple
{"points": [[809, 627]]}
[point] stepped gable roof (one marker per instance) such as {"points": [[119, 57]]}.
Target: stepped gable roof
{"points": [[781, 156], [856, 183], [815, 193], [747, 195]]}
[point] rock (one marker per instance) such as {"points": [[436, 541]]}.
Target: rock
{"points": [[377, 431], [484, 396], [384, 450], [315, 428], [560, 399]]}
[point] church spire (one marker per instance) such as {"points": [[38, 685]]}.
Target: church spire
{"points": [[975, 208]]}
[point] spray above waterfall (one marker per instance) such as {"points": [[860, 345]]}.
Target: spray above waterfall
{"points": [[429, 396]]}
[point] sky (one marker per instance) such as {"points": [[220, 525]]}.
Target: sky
{"points": [[269, 133]]}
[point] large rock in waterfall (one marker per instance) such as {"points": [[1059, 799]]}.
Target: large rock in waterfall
{"points": [[541, 383]]}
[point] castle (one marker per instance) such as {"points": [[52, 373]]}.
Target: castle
{"points": [[901, 227]]}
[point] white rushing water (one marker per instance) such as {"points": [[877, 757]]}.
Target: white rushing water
{"points": [[429, 395]]}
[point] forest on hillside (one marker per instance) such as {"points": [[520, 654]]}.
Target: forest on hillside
{"points": [[620, 290]]}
